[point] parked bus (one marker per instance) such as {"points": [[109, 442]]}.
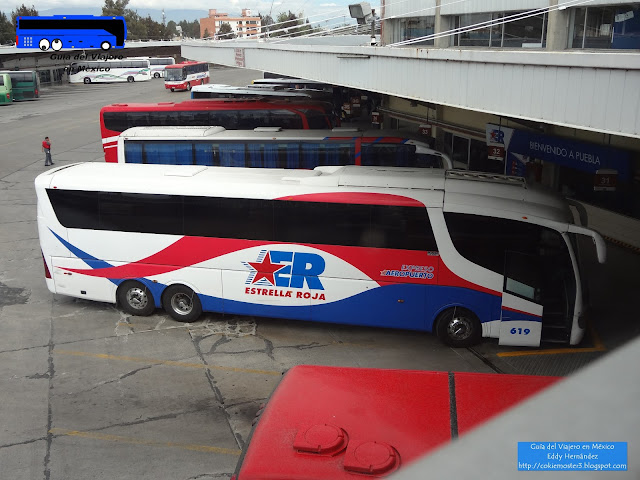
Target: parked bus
{"points": [[25, 84], [462, 254], [110, 71], [70, 31], [230, 114], [272, 147], [6, 90], [220, 91], [295, 83], [157, 64], [183, 76]]}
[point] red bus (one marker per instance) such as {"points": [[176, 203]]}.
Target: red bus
{"points": [[344, 423], [230, 114], [183, 76]]}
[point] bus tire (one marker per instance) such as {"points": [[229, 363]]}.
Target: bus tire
{"points": [[173, 89], [156, 75], [105, 45], [130, 79], [188, 86], [135, 298], [181, 303], [56, 44], [458, 327], [87, 80]]}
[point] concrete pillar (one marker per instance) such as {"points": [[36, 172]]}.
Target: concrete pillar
{"points": [[557, 28], [443, 23]]}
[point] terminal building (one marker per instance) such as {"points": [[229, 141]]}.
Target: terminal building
{"points": [[545, 89]]}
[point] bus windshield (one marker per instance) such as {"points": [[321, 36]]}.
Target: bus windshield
{"points": [[174, 74]]}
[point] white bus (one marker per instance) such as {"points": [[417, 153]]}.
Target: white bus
{"points": [[157, 64], [110, 71], [461, 254], [218, 90], [273, 147]]}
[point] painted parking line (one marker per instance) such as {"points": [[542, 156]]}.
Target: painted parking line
{"points": [[598, 346], [156, 361], [61, 432]]}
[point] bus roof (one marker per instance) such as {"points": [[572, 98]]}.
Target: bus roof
{"points": [[220, 104], [271, 133], [253, 91], [497, 195]]}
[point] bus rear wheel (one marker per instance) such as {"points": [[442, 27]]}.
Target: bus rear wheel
{"points": [[458, 327], [156, 75], [105, 45], [130, 79], [87, 80], [135, 298], [181, 303], [173, 89]]}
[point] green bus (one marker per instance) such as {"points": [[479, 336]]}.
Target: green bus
{"points": [[25, 84], [6, 91]]}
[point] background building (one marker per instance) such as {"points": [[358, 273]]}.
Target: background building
{"points": [[241, 26]]}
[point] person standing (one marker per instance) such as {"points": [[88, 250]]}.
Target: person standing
{"points": [[46, 148]]}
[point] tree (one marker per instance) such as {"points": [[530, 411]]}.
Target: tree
{"points": [[22, 11], [292, 24], [206, 33], [265, 23], [171, 28], [114, 7], [226, 31], [7, 32]]}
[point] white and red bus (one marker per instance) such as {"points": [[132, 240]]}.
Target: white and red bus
{"points": [[273, 147], [183, 76], [230, 114], [460, 254]]}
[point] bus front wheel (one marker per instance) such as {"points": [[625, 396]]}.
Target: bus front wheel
{"points": [[188, 86], [87, 80], [458, 327], [130, 79], [135, 298], [156, 75], [181, 303]]}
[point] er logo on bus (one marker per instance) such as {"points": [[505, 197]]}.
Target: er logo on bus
{"points": [[287, 269]]}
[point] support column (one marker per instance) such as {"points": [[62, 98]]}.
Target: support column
{"points": [[443, 23], [557, 28]]}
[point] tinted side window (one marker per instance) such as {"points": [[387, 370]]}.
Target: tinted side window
{"points": [[376, 226], [317, 119], [75, 208], [244, 218], [194, 118], [1, 80], [171, 119], [115, 121], [138, 119], [396, 155], [484, 240], [135, 212]]}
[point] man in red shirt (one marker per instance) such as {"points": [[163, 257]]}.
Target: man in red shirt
{"points": [[46, 148]]}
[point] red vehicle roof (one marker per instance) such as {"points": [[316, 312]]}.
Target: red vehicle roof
{"points": [[333, 422]]}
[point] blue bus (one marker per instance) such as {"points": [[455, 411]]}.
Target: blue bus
{"points": [[70, 31]]}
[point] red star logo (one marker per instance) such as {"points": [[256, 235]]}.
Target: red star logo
{"points": [[266, 269]]}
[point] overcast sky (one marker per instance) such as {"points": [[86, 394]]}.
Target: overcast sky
{"points": [[322, 8]]}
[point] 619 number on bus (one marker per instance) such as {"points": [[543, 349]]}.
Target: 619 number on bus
{"points": [[520, 331]]}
